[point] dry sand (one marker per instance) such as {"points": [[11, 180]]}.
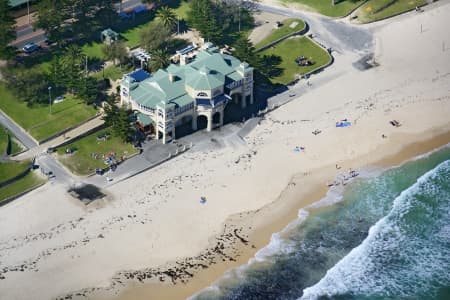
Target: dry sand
{"points": [[51, 245]]}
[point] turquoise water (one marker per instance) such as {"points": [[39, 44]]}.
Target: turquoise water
{"points": [[387, 237]]}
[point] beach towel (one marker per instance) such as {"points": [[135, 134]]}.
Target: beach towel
{"points": [[343, 124]]}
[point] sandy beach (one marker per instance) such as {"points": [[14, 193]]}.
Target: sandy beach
{"points": [[151, 231]]}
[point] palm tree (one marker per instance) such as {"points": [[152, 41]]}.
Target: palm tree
{"points": [[167, 17], [159, 60]]}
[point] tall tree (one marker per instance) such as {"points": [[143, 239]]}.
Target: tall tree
{"points": [[155, 36], [245, 51], [7, 32], [88, 89], [269, 65], [75, 18], [167, 17], [159, 60], [57, 72], [118, 119], [27, 84], [72, 60], [115, 51], [201, 16], [51, 18]]}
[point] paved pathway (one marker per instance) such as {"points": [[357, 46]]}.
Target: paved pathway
{"points": [[18, 132]]}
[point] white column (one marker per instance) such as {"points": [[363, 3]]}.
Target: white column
{"points": [[209, 127], [221, 117], [243, 102], [194, 123]]}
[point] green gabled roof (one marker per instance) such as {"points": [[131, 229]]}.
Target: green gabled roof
{"points": [[235, 76], [146, 94], [172, 89], [182, 100], [109, 32], [173, 69], [205, 79], [159, 74], [215, 62], [144, 119], [14, 3]]}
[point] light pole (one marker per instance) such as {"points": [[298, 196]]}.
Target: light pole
{"points": [[28, 10], [50, 97], [86, 67]]}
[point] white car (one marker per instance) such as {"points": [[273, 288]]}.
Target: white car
{"points": [[109, 179]]}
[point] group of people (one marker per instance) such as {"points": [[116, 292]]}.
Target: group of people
{"points": [[344, 179]]}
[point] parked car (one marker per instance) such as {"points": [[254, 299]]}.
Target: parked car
{"points": [[58, 99], [30, 48]]}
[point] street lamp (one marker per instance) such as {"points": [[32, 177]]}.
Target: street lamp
{"points": [[50, 97], [28, 10]]}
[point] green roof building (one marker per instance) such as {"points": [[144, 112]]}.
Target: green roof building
{"points": [[194, 93]]}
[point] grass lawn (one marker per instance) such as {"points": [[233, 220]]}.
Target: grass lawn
{"points": [[292, 48], [375, 10], [112, 72], [324, 7], [23, 184], [15, 148], [38, 121], [81, 161], [282, 31], [93, 50], [10, 169]]}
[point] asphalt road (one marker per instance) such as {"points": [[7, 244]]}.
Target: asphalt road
{"points": [[48, 163], [22, 136]]}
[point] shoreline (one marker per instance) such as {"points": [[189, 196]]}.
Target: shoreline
{"points": [[262, 229]]}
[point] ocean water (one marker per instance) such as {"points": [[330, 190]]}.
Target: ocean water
{"points": [[387, 236]]}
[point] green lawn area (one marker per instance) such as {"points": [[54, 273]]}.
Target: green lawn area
{"points": [[15, 148], [93, 50], [282, 31], [23, 184], [112, 72], [38, 121], [324, 7], [292, 48], [81, 161], [375, 10], [10, 169]]}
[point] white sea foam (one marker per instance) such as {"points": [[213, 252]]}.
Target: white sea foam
{"points": [[358, 271], [278, 244]]}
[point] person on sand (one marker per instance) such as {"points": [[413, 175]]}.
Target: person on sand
{"points": [[338, 167]]}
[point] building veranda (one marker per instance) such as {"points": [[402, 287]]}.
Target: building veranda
{"points": [[188, 93]]}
